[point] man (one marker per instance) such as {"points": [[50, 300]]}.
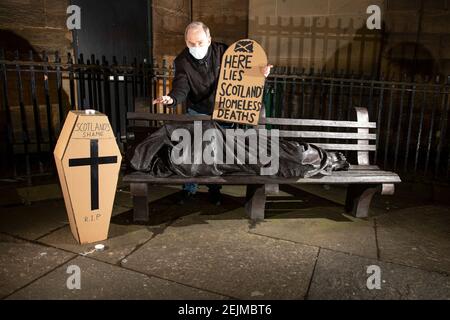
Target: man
{"points": [[197, 70]]}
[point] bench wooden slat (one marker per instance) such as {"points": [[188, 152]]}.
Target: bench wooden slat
{"points": [[352, 147], [277, 121], [166, 117], [337, 177], [359, 172], [318, 123], [363, 167], [328, 135]]}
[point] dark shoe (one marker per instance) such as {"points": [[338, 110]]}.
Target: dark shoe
{"points": [[215, 197], [339, 162], [186, 197]]}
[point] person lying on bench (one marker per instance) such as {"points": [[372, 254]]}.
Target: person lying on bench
{"points": [[197, 70], [205, 148]]}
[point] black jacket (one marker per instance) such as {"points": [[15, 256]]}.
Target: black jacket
{"points": [[196, 80]]}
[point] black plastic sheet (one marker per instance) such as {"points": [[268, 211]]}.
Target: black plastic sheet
{"points": [[154, 155]]}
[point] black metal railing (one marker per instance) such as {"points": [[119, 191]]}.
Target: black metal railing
{"points": [[412, 116], [309, 42], [37, 93]]}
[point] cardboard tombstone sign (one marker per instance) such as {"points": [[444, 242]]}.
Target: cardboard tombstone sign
{"points": [[241, 83], [88, 161]]}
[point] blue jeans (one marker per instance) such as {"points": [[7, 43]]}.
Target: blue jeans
{"points": [[192, 187]]}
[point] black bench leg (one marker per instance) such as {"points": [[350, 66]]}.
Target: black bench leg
{"points": [[255, 201], [139, 191], [359, 197]]}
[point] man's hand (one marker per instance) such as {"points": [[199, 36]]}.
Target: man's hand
{"points": [[266, 70], [163, 100]]}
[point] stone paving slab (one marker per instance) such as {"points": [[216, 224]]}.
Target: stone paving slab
{"points": [[122, 240], [217, 253], [326, 227], [297, 199], [331, 193], [229, 221], [22, 262], [104, 281], [167, 209], [406, 195], [240, 191], [117, 210], [340, 276], [35, 220], [9, 197], [40, 193], [123, 195], [223, 254], [417, 237]]}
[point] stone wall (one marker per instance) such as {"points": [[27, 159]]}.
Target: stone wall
{"points": [[170, 17], [323, 34], [332, 35], [227, 19], [35, 25], [432, 36]]}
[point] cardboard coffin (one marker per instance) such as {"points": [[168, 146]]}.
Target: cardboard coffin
{"points": [[88, 161]]}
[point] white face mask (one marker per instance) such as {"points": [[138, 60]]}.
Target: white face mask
{"points": [[198, 52]]}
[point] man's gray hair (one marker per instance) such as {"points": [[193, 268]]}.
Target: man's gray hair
{"points": [[197, 24]]}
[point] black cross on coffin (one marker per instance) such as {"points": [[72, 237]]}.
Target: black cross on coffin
{"points": [[94, 161]]}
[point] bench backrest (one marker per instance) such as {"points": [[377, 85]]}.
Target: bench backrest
{"points": [[360, 141]]}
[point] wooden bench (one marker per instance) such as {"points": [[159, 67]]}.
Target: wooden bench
{"points": [[363, 179]]}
